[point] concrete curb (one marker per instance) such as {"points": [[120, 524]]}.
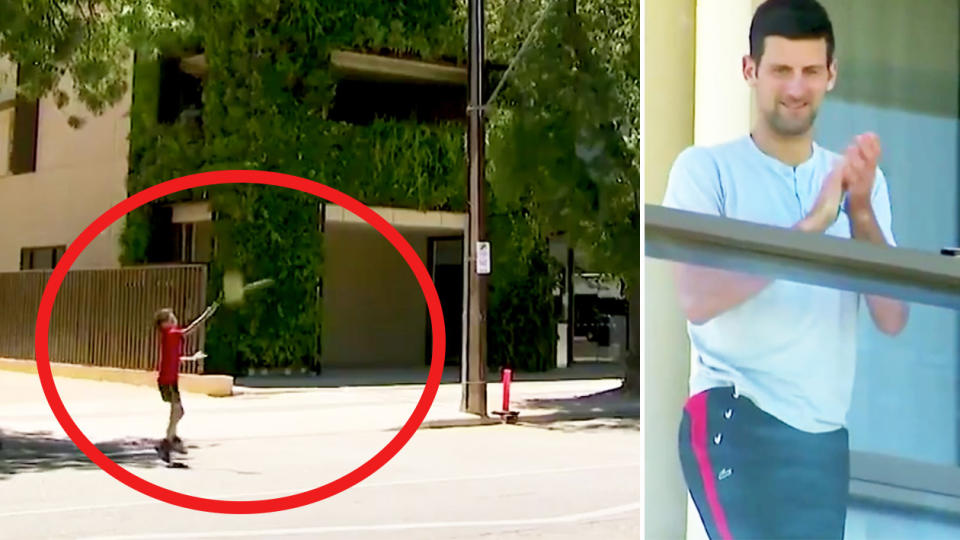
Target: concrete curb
{"points": [[211, 385], [533, 419]]}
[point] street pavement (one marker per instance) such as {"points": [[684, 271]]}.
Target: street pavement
{"points": [[547, 479]]}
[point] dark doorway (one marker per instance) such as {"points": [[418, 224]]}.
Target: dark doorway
{"points": [[445, 262]]}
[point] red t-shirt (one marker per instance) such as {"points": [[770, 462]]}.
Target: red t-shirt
{"points": [[171, 347]]}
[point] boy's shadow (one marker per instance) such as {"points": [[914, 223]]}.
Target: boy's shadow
{"points": [[32, 452], [26, 452]]}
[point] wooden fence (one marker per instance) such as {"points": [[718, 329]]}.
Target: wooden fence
{"points": [[103, 317]]}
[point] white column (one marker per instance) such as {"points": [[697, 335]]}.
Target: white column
{"points": [[562, 345], [668, 109], [723, 106], [694, 93]]}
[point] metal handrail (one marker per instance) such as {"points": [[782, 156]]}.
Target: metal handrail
{"points": [[775, 252]]}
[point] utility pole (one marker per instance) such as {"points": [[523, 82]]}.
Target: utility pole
{"points": [[474, 373], [571, 262]]}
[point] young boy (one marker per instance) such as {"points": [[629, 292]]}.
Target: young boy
{"points": [[171, 349]]}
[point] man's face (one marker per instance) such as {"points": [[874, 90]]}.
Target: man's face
{"points": [[790, 81]]}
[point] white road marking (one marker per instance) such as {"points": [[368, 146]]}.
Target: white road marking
{"points": [[362, 485], [490, 524]]}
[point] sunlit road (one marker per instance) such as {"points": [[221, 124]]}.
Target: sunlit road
{"points": [[571, 480]]}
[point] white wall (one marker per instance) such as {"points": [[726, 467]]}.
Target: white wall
{"points": [[80, 174], [723, 102], [669, 122]]}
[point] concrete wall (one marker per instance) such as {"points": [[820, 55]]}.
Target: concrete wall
{"points": [[374, 314], [80, 174], [723, 102], [695, 94], [669, 99]]}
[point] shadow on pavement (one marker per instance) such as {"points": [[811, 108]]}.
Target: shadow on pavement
{"points": [[610, 409], [588, 425], [40, 452], [338, 378]]}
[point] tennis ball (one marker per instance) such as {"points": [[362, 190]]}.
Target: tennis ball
{"points": [[232, 287]]}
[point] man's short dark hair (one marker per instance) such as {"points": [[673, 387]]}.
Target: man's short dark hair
{"points": [[791, 19]]}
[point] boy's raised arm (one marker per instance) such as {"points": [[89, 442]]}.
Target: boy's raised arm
{"points": [[207, 313]]}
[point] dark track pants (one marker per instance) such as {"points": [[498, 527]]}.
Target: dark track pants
{"points": [[752, 476]]}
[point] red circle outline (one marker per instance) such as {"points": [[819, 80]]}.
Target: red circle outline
{"points": [[240, 177]]}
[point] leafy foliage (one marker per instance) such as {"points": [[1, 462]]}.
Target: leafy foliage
{"points": [[269, 232], [88, 43], [522, 332], [564, 132]]}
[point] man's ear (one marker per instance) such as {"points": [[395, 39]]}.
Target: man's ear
{"points": [[749, 68], [832, 71]]}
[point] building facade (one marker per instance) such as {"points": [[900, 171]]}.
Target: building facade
{"points": [[55, 180]]}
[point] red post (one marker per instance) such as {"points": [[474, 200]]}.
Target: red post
{"points": [[506, 414], [506, 389]]}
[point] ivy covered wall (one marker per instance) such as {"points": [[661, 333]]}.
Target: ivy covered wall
{"points": [[266, 105]]}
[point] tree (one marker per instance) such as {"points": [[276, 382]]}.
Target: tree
{"points": [[565, 136], [88, 43]]}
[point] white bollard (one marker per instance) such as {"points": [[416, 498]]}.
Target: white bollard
{"points": [[562, 345]]}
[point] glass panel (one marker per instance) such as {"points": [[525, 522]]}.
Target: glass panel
{"points": [[899, 70], [905, 398], [899, 67], [872, 523], [903, 395]]}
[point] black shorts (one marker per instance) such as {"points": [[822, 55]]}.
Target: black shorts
{"points": [[170, 392], [752, 476]]}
